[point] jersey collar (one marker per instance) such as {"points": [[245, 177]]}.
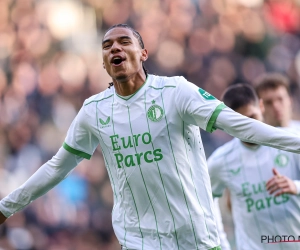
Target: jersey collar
{"points": [[135, 95]]}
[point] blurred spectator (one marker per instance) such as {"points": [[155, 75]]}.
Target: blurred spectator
{"points": [[50, 61]]}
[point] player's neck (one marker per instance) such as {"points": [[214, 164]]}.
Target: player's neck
{"points": [[130, 84], [284, 123]]}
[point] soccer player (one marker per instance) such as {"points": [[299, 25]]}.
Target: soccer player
{"points": [[274, 90], [262, 205], [148, 130]]}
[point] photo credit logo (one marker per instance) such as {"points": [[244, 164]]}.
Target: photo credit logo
{"points": [[273, 239]]}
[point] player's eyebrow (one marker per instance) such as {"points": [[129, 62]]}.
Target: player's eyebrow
{"points": [[120, 38]]}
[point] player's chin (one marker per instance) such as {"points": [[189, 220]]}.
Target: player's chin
{"points": [[121, 76], [118, 74]]}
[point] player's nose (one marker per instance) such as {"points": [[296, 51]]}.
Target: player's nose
{"points": [[115, 47], [277, 106]]}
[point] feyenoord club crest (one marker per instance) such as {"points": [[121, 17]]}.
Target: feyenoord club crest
{"points": [[155, 113], [281, 160]]}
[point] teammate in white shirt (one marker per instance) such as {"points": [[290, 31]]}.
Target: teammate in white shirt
{"points": [[148, 129], [262, 205], [274, 90]]}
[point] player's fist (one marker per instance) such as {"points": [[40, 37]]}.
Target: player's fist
{"points": [[2, 218], [280, 184]]}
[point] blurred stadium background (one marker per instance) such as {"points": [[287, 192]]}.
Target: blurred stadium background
{"points": [[50, 61]]}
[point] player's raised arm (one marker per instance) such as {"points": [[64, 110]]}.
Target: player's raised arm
{"points": [[44, 179], [253, 131], [198, 107], [80, 143]]}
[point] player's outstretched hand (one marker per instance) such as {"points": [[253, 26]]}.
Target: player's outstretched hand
{"points": [[2, 218], [280, 184]]}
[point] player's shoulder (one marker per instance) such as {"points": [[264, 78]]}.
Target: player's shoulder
{"points": [[225, 150], [161, 82], [103, 96]]}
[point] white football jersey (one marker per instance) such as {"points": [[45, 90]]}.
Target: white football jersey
{"points": [[245, 171], [155, 160]]}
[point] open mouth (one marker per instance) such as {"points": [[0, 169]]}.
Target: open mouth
{"points": [[116, 61]]}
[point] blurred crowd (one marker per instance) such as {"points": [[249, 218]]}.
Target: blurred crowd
{"points": [[50, 61]]}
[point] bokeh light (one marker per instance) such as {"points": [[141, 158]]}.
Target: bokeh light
{"points": [[170, 54], [65, 18]]}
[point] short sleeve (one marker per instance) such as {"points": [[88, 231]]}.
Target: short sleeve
{"points": [[214, 168], [80, 139], [196, 106]]}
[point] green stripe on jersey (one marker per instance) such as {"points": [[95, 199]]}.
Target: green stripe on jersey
{"points": [[210, 125], [193, 179], [76, 152], [104, 155], [137, 212], [161, 178], [183, 191], [98, 100], [166, 86], [216, 248], [144, 180]]}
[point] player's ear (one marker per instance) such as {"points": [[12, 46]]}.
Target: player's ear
{"points": [[144, 56], [103, 65], [261, 105]]}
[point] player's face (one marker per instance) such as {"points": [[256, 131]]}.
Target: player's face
{"points": [[252, 111], [122, 54], [278, 106]]}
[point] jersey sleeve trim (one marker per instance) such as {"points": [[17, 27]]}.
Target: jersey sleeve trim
{"points": [[76, 152], [210, 125], [217, 195]]}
